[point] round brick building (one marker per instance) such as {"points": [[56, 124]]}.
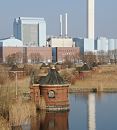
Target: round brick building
{"points": [[55, 91]]}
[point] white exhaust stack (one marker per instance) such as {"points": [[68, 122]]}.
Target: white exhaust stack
{"points": [[66, 25], [61, 25], [90, 18]]}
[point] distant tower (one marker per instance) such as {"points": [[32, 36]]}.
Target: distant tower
{"points": [[90, 18]]}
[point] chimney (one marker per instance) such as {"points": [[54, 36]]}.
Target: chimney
{"points": [[61, 25], [66, 25]]}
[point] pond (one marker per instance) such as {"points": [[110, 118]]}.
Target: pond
{"points": [[87, 112]]}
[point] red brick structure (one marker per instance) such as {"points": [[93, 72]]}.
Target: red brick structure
{"points": [[26, 54], [8, 51], [39, 54], [16, 71], [55, 91], [35, 93], [72, 52]]}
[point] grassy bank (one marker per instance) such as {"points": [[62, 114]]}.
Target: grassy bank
{"points": [[104, 78]]}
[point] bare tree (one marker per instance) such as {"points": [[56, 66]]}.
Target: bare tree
{"points": [[35, 57], [76, 57], [113, 56], [89, 58], [14, 58], [103, 57]]}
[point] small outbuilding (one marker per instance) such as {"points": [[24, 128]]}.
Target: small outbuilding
{"points": [[55, 91], [17, 72]]}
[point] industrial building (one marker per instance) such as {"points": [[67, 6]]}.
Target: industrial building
{"points": [[60, 42], [32, 31], [11, 42], [63, 40], [84, 44], [11, 48], [60, 54], [102, 44], [14, 48]]}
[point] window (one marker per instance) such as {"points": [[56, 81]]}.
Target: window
{"points": [[51, 94]]}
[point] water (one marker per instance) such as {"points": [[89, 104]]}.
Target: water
{"points": [[105, 112], [87, 112]]}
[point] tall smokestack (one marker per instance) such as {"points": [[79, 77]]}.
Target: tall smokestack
{"points": [[90, 18], [66, 25], [61, 25]]}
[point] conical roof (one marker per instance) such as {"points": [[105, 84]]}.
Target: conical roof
{"points": [[85, 67], [15, 68], [53, 78]]}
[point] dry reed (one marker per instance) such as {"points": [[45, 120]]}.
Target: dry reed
{"points": [[4, 125], [42, 103], [20, 113]]}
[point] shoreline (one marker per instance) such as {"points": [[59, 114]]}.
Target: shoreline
{"points": [[96, 90]]}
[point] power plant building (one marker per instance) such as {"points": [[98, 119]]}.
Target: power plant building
{"points": [[60, 42], [32, 31], [111, 44], [102, 44], [85, 44]]}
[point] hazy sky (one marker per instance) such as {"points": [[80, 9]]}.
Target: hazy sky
{"points": [[105, 15]]}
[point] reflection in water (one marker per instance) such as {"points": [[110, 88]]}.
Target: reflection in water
{"points": [[55, 121], [49, 121], [91, 112]]}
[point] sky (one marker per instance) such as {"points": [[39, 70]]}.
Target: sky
{"points": [[105, 16]]}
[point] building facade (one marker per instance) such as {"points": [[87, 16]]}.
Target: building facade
{"points": [[60, 42], [85, 44], [38, 54], [102, 44], [13, 49], [32, 31], [61, 54]]}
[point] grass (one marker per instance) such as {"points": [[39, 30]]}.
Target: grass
{"points": [[105, 76]]}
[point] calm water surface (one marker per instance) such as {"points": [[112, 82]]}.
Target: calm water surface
{"points": [[87, 112]]}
